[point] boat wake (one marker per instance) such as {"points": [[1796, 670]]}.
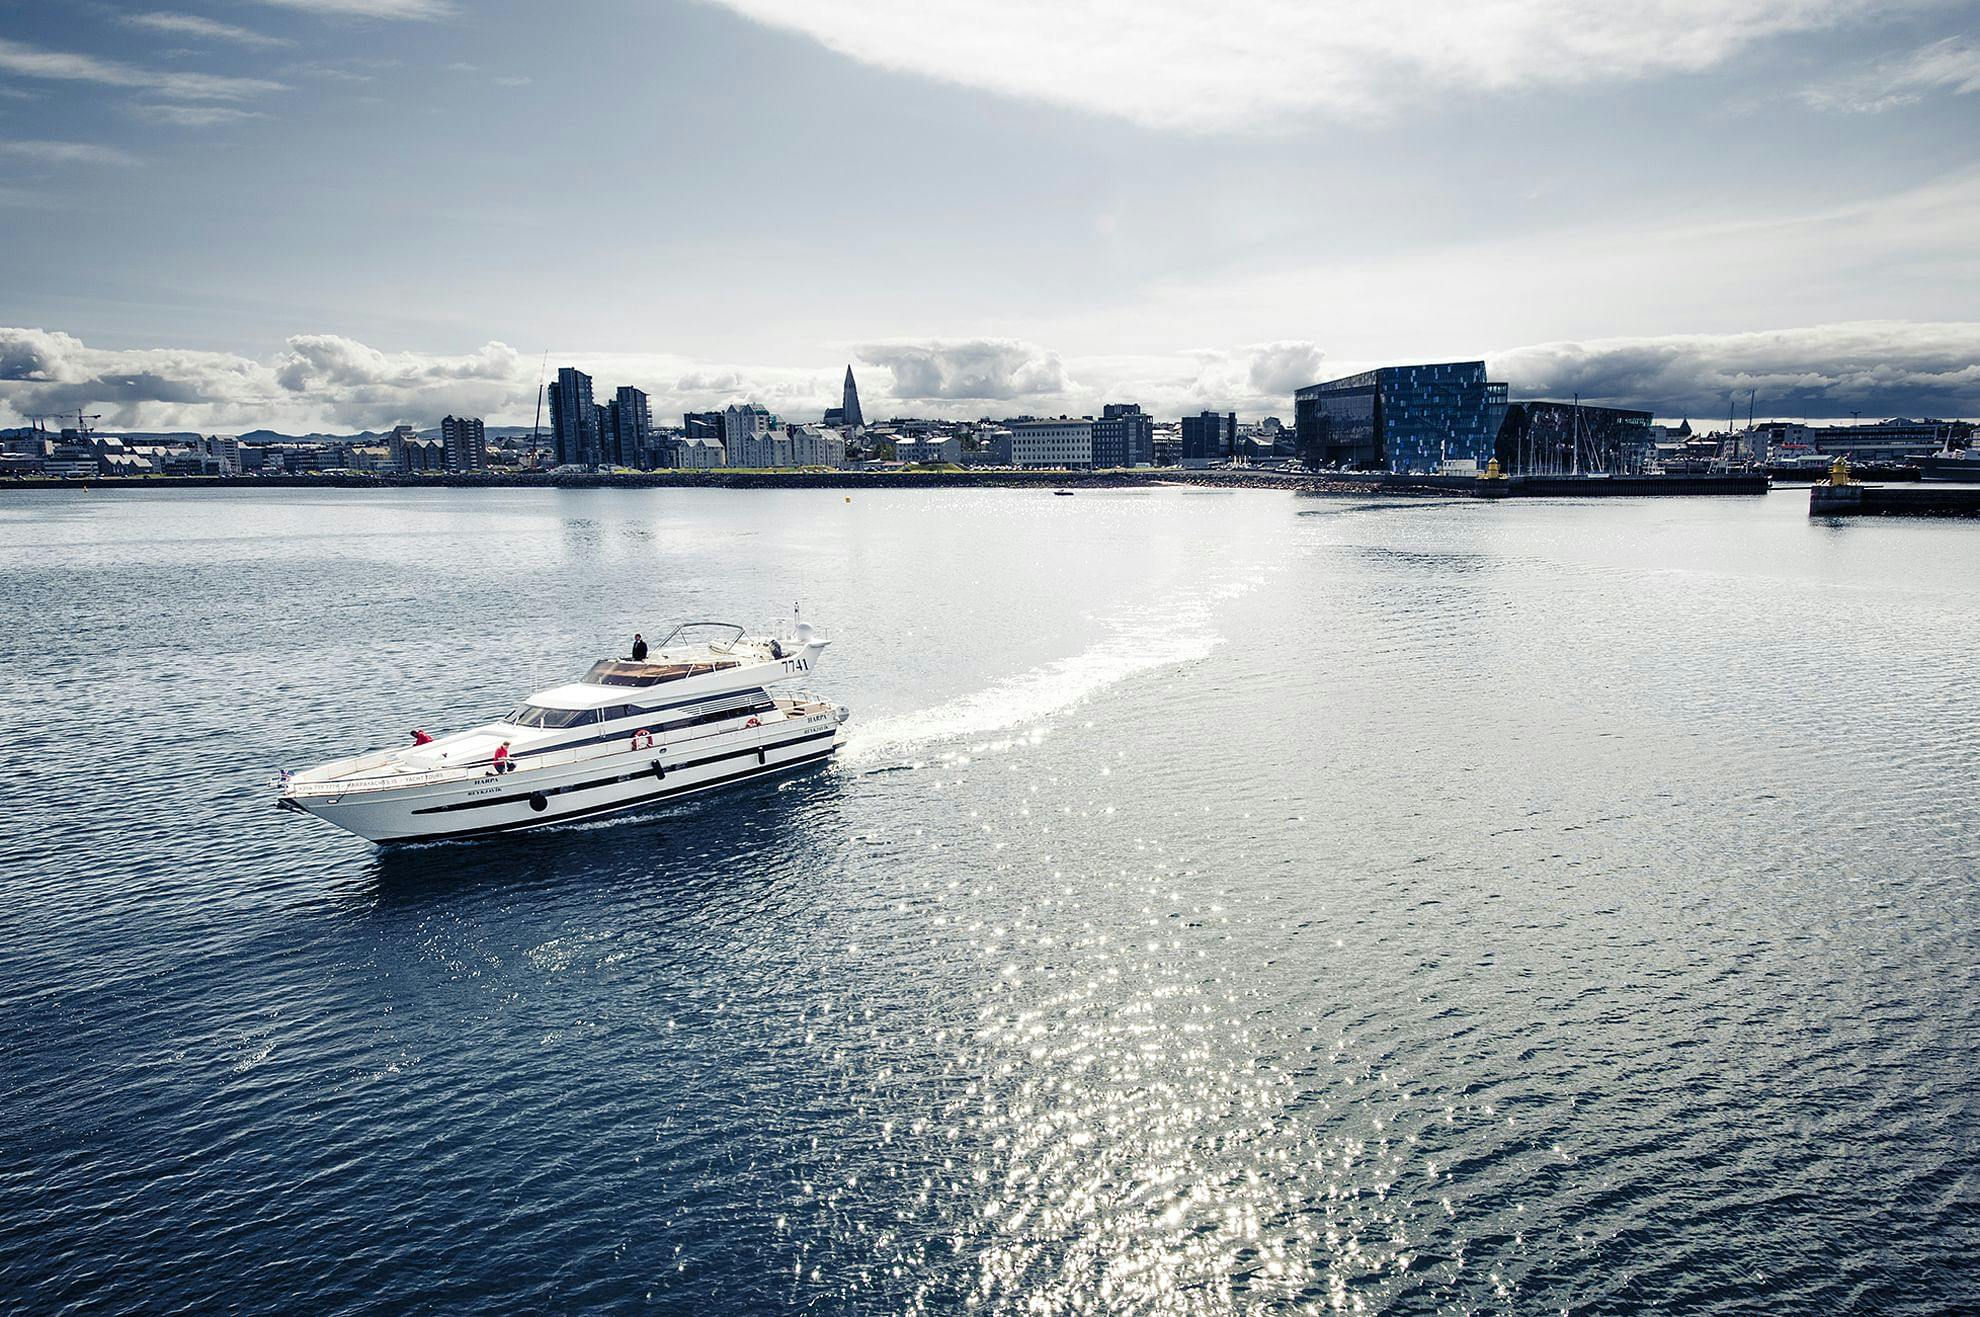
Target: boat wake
{"points": [[1016, 707]]}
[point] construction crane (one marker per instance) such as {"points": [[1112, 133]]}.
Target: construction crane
{"points": [[82, 422]]}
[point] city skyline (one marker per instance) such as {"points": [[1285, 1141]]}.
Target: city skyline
{"points": [[208, 235]]}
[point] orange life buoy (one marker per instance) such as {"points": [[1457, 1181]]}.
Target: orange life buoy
{"points": [[754, 722], [642, 739]]}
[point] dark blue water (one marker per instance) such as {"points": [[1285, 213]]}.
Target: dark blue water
{"points": [[1226, 902]]}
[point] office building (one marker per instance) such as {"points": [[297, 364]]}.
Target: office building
{"points": [[1056, 443], [1123, 436], [573, 419], [701, 425], [1552, 438], [1872, 441], [465, 442], [1208, 437], [1402, 419]]}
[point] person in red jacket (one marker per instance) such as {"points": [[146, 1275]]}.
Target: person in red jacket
{"points": [[501, 760], [421, 738]]}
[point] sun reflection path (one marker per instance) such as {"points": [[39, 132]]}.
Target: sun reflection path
{"points": [[1130, 1121]]}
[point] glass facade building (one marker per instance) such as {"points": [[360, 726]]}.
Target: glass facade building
{"points": [[1402, 419], [1209, 437], [1555, 438]]}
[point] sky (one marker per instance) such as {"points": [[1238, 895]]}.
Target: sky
{"points": [[347, 214]]}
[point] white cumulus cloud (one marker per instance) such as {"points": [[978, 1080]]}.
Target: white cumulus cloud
{"points": [[952, 370]]}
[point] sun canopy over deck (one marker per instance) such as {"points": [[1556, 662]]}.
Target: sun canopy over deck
{"points": [[625, 672]]}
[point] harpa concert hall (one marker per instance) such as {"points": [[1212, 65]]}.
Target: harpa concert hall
{"points": [[1405, 419], [1415, 420]]}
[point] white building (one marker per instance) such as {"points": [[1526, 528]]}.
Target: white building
{"points": [[218, 454], [700, 453], [812, 445], [747, 436], [1060, 443], [929, 448]]}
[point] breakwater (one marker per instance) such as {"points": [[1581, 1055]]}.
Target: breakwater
{"points": [[1338, 483], [1854, 500]]}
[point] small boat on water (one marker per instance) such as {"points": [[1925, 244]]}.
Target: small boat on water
{"points": [[695, 713]]}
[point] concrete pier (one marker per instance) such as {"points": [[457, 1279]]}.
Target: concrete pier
{"points": [[1857, 500]]}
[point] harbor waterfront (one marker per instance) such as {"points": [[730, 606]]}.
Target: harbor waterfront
{"points": [[1226, 899]]}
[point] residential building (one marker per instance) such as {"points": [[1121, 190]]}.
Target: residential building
{"points": [[573, 419], [813, 445], [1541, 437], [700, 452], [749, 437], [632, 427], [1052, 443], [1123, 436], [701, 425], [929, 448], [406, 452], [216, 454], [1208, 437], [1401, 419], [466, 443]]}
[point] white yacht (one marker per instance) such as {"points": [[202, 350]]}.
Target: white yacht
{"points": [[695, 713]]}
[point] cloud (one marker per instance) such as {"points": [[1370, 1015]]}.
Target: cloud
{"points": [[1877, 367], [335, 383], [951, 370], [1255, 65], [67, 153], [55, 65], [1950, 65], [1278, 368], [192, 25], [406, 9], [197, 116]]}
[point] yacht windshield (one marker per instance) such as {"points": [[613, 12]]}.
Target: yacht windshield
{"points": [[536, 715]]}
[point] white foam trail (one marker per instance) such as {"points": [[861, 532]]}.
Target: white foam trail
{"points": [[1181, 633]]}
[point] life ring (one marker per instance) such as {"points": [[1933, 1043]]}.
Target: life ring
{"points": [[642, 739], [754, 722]]}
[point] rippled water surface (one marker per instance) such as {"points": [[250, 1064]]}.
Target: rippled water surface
{"points": [[1226, 901]]}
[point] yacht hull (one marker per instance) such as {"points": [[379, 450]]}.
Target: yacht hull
{"points": [[596, 787]]}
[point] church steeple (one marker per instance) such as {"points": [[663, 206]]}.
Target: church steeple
{"points": [[849, 413]]}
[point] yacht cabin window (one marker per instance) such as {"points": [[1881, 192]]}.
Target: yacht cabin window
{"points": [[536, 715]]}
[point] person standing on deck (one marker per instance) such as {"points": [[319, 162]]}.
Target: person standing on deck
{"points": [[639, 648]]}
